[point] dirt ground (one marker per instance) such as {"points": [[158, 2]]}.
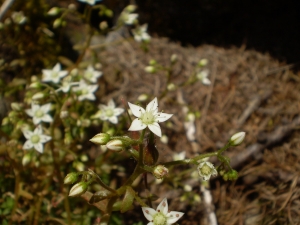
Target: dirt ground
{"points": [[250, 92]]}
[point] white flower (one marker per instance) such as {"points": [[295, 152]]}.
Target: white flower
{"points": [[129, 18], [206, 169], [54, 75], [92, 75], [40, 113], [161, 216], [148, 118], [91, 2], [109, 112], [140, 33], [35, 139], [202, 76], [18, 17], [86, 91]]}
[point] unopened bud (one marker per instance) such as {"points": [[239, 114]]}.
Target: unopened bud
{"points": [[78, 189], [26, 159], [101, 139], [150, 69], [57, 23], [237, 138], [131, 8], [53, 11], [71, 178], [38, 95], [35, 85], [171, 87], [160, 171], [115, 145], [103, 25], [203, 62], [173, 58], [143, 97], [16, 106]]}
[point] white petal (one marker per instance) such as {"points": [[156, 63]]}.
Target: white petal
{"points": [[46, 108], [118, 111], [111, 103], [162, 117], [148, 213], [57, 67], [174, 216], [206, 81], [155, 128], [47, 118], [29, 112], [36, 120], [28, 145], [137, 125], [38, 130], [27, 133], [113, 119], [90, 97], [153, 105], [136, 110], [44, 138], [39, 147], [163, 206], [150, 223], [62, 74]]}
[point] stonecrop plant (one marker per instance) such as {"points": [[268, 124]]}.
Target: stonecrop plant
{"points": [[45, 135]]}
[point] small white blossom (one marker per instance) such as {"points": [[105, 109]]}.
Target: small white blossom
{"points": [[129, 18], [54, 75], [66, 84], [18, 17], [206, 170], [161, 216], [92, 75], [140, 33], [202, 76], [109, 112], [148, 118], [91, 2], [35, 139], [86, 91], [40, 113]]}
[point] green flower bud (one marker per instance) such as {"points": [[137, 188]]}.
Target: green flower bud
{"points": [[160, 171], [53, 11], [71, 178], [101, 139], [78, 189], [115, 145]]}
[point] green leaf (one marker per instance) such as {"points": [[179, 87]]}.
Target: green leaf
{"points": [[128, 199]]}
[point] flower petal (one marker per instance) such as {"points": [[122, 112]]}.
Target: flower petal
{"points": [[136, 110], [155, 128], [137, 125], [45, 138], [118, 111], [36, 120], [113, 119], [29, 112], [148, 213], [27, 133], [39, 147], [38, 130], [47, 118], [162, 117], [28, 145], [111, 104], [153, 105], [163, 206], [45, 108], [174, 216]]}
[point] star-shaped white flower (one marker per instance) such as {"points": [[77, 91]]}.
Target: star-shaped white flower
{"points": [[54, 75], [202, 76], [91, 2], [35, 139], [40, 113], [148, 118], [109, 112], [92, 75], [161, 216], [86, 91], [206, 170], [140, 33]]}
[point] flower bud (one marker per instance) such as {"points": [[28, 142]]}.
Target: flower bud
{"points": [[203, 62], [35, 85], [71, 178], [143, 97], [38, 95], [171, 87], [130, 8], [237, 138], [57, 23], [26, 159], [79, 189], [160, 171], [16, 106], [53, 11], [101, 139], [103, 25], [206, 169], [173, 58], [115, 145], [150, 69]]}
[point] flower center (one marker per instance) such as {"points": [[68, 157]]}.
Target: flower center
{"points": [[159, 219], [54, 74], [109, 112], [39, 113], [89, 75], [35, 139], [206, 170], [148, 118], [84, 91]]}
